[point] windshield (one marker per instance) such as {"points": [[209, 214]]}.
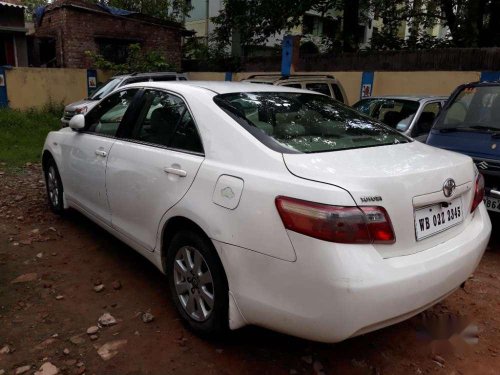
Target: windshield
{"points": [[474, 108], [396, 113], [305, 123], [105, 89]]}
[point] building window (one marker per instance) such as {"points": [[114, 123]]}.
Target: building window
{"points": [[7, 56], [114, 50]]}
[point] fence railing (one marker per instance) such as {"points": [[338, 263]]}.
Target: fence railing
{"points": [[453, 59]]}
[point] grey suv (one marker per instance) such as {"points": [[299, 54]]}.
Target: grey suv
{"points": [[85, 105]]}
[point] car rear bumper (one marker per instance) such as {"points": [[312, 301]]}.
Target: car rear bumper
{"points": [[333, 292]]}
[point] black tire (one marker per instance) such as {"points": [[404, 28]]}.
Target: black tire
{"points": [[54, 187], [216, 323]]}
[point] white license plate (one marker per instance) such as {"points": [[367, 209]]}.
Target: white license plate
{"points": [[492, 204], [437, 218]]}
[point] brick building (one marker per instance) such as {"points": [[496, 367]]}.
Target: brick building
{"points": [[13, 47], [65, 29]]}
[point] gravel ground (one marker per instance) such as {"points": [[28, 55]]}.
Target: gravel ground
{"points": [[60, 276]]}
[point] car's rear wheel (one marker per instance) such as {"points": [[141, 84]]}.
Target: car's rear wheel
{"points": [[198, 283], [54, 187]]}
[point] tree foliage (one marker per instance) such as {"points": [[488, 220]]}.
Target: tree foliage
{"points": [[138, 60], [471, 23]]}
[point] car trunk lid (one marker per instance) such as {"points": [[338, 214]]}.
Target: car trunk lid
{"points": [[401, 178]]}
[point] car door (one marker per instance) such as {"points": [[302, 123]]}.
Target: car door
{"points": [[85, 154], [150, 171]]}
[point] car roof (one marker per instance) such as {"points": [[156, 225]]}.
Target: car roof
{"points": [[294, 77], [416, 98], [219, 87], [151, 74]]}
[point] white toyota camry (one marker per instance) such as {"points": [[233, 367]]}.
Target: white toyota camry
{"points": [[272, 206]]}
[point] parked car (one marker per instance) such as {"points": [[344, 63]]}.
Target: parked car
{"points": [[272, 206], [85, 105], [324, 84], [411, 115], [470, 124]]}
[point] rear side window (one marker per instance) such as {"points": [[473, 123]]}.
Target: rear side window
{"points": [[305, 123], [322, 88], [164, 120]]}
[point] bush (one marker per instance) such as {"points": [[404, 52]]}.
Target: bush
{"points": [[23, 134]]}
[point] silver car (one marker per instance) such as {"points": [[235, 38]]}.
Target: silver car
{"points": [[85, 105], [411, 115]]}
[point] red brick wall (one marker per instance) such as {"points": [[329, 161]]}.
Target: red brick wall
{"points": [[76, 30]]}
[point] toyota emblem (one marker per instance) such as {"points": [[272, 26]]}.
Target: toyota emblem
{"points": [[449, 187]]}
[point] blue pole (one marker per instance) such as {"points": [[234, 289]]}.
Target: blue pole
{"points": [[4, 100], [286, 55]]}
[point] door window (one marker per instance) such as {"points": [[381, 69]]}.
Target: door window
{"points": [[338, 93], [426, 119], [107, 116], [164, 120], [322, 88]]}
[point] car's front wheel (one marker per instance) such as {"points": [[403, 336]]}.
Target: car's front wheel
{"points": [[197, 282], [54, 187]]}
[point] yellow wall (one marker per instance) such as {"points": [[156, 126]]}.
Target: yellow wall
{"points": [[36, 87], [417, 83], [206, 76]]}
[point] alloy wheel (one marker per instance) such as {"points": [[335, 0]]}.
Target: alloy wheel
{"points": [[53, 186], [194, 284]]}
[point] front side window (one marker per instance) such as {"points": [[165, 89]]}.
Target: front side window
{"points": [[107, 116], [304, 123], [396, 113], [338, 93], [105, 89], [164, 120], [426, 119], [474, 108]]}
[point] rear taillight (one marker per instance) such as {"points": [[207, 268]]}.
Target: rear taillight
{"points": [[478, 192], [360, 225]]}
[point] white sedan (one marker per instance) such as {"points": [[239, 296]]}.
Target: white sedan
{"points": [[272, 206]]}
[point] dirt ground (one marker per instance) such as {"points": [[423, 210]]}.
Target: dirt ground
{"points": [[44, 316]]}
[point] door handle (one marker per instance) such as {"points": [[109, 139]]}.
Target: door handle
{"points": [[177, 172], [101, 153]]}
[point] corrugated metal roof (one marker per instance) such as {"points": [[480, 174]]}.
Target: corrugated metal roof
{"points": [[12, 5]]}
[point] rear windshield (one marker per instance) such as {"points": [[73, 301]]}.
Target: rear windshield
{"points": [[472, 109], [305, 123], [396, 113], [105, 89]]}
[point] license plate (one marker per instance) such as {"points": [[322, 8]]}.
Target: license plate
{"points": [[492, 204], [437, 218]]}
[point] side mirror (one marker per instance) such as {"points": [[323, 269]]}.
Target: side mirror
{"points": [[77, 122]]}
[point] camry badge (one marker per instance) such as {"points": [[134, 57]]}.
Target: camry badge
{"points": [[449, 187]]}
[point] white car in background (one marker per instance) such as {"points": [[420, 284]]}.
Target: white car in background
{"points": [[322, 83], [411, 115], [272, 206], [115, 82]]}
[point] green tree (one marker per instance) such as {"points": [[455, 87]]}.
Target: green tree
{"points": [[138, 60], [31, 5]]}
